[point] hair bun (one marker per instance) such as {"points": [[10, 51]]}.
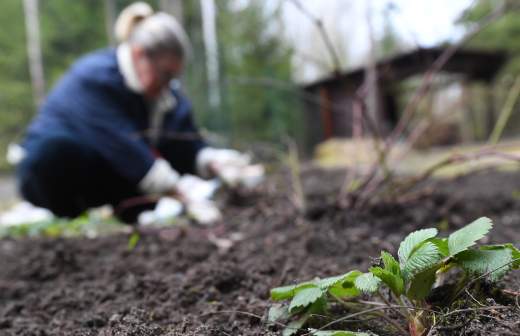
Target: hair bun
{"points": [[129, 18]]}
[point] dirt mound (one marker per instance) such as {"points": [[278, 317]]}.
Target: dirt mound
{"points": [[181, 284]]}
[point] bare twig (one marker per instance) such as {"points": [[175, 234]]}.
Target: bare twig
{"points": [[392, 322], [483, 276], [295, 168], [259, 317], [439, 63], [458, 311], [321, 28], [372, 182], [367, 311], [509, 105], [455, 158]]}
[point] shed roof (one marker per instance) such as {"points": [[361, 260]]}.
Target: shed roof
{"points": [[475, 64]]}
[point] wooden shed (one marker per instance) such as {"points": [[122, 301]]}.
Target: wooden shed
{"points": [[329, 103]]}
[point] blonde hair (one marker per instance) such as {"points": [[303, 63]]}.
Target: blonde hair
{"points": [[155, 32]]}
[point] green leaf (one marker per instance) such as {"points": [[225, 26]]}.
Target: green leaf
{"points": [[346, 287], [288, 292], [442, 245], [466, 237], [326, 283], [496, 262], [293, 327], [413, 241], [283, 293], [277, 312], [421, 284], [515, 253], [426, 256], [316, 332], [391, 265], [133, 240], [394, 281], [305, 297], [367, 283]]}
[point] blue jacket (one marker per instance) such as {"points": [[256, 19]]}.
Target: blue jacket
{"points": [[92, 104]]}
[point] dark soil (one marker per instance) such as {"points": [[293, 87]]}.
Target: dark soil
{"points": [[180, 283]]}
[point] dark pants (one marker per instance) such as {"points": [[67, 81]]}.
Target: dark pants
{"points": [[68, 177]]}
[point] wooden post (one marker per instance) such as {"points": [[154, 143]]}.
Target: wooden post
{"points": [[34, 51], [326, 113], [490, 110]]}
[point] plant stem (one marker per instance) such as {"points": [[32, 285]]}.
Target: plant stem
{"points": [[389, 304], [391, 321]]}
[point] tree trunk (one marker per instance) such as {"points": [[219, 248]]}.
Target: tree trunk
{"points": [[211, 45], [110, 19], [34, 51], [173, 7]]}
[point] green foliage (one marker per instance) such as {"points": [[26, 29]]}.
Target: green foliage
{"points": [[305, 297], [501, 34], [133, 240], [413, 241], [420, 284], [493, 262], [367, 283], [85, 225], [295, 325], [466, 237], [15, 89], [254, 59], [252, 55], [422, 257], [312, 297]]}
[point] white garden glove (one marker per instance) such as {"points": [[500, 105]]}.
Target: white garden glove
{"points": [[191, 195], [165, 212], [232, 167], [204, 212], [193, 189]]}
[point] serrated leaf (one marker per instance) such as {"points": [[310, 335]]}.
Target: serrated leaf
{"points": [[412, 242], [442, 245], [325, 283], [466, 237], [367, 283], [282, 293], [421, 284], [515, 253], [496, 262], [346, 287], [288, 292], [425, 257], [394, 281], [305, 297], [391, 265], [277, 312], [293, 326], [316, 332]]}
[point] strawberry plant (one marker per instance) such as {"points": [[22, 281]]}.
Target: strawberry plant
{"points": [[422, 259]]}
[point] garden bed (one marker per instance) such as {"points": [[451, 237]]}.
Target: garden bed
{"points": [[178, 282]]}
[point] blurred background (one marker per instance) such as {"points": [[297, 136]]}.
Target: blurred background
{"points": [[265, 71]]}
